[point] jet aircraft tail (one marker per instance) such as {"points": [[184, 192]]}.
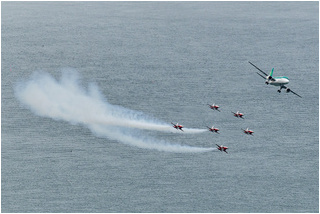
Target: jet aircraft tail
{"points": [[271, 73]]}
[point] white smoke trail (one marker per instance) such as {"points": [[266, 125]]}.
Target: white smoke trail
{"points": [[66, 100], [143, 141]]}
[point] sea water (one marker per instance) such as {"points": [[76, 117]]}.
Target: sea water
{"points": [[89, 91]]}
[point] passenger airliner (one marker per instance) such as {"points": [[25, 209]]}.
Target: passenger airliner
{"points": [[276, 81]]}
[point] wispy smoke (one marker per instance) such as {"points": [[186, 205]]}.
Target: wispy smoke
{"points": [[67, 100]]}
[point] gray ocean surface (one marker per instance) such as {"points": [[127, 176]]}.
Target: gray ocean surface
{"points": [[166, 60]]}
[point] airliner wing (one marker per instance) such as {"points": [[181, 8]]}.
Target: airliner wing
{"points": [[259, 69], [266, 75], [295, 93], [292, 91]]}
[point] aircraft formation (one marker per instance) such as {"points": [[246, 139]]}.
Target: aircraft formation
{"points": [[269, 79], [216, 130]]}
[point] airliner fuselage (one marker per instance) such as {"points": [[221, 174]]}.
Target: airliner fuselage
{"points": [[279, 81]]}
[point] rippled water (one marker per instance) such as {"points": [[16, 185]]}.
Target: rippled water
{"points": [[161, 62]]}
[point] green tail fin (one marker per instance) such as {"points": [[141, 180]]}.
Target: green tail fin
{"points": [[271, 73]]}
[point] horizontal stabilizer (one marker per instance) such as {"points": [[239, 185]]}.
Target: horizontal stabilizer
{"points": [[261, 75]]}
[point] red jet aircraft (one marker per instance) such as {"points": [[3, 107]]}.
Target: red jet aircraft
{"points": [[222, 148], [214, 107], [247, 131], [177, 126], [214, 130], [238, 114]]}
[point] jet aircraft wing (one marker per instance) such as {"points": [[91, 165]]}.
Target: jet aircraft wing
{"points": [[295, 93], [259, 69], [270, 77], [292, 91]]}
